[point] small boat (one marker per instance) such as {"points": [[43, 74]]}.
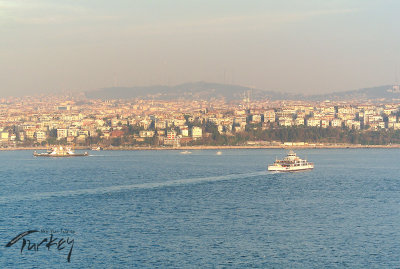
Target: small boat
{"points": [[186, 152], [290, 163], [219, 153], [60, 152], [97, 148]]}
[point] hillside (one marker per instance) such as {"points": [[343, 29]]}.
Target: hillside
{"points": [[380, 92], [207, 91], [189, 91]]}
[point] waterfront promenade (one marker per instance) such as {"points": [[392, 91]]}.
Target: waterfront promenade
{"points": [[207, 147]]}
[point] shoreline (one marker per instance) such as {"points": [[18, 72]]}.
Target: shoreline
{"points": [[320, 146]]}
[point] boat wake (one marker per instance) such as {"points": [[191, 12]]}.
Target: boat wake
{"points": [[113, 189]]}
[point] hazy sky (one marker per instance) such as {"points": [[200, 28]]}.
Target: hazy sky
{"points": [[305, 46]]}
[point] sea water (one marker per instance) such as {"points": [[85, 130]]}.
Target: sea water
{"points": [[163, 209]]}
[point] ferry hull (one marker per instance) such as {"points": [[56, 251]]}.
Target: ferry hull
{"points": [[59, 155], [289, 169], [60, 151]]}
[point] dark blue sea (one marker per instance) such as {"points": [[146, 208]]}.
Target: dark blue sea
{"points": [[164, 209]]}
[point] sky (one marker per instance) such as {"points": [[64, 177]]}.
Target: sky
{"points": [[313, 46]]}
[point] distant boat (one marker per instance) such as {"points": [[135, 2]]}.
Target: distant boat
{"points": [[60, 152], [186, 152], [97, 148], [290, 163], [219, 153]]}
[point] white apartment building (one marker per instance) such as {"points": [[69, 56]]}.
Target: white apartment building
{"points": [[197, 132]]}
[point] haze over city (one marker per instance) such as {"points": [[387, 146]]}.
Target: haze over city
{"points": [[287, 46]]}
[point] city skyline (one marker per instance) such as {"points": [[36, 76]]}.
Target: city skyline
{"points": [[137, 123], [290, 46]]}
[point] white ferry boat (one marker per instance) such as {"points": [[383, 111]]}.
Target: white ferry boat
{"points": [[290, 163], [60, 152]]}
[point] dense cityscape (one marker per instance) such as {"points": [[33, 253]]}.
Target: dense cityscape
{"points": [[44, 121]]}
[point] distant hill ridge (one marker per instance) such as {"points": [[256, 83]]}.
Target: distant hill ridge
{"points": [[207, 91]]}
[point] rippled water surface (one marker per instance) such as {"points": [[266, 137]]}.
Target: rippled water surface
{"points": [[163, 209]]}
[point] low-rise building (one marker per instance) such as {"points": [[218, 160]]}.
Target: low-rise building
{"points": [[62, 133], [269, 116], [324, 123], [336, 123], [197, 132], [145, 133], [299, 121], [184, 131], [313, 122], [40, 136]]}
